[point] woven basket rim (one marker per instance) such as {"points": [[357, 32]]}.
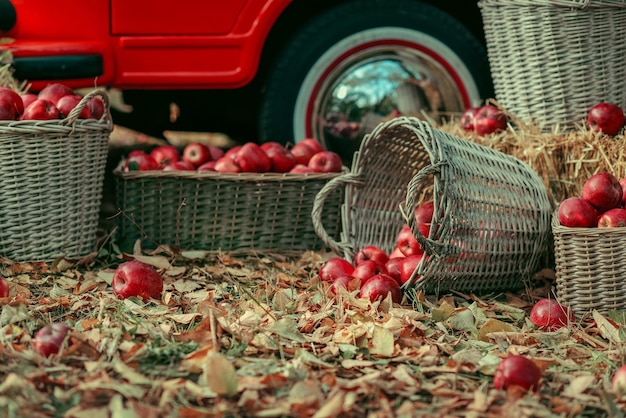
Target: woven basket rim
{"points": [[556, 4], [593, 231], [204, 175]]}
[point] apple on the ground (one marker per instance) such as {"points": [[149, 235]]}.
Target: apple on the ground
{"points": [[335, 267], [4, 288], [516, 370], [136, 278], [367, 269], [549, 315], [467, 118], [48, 339], [380, 286]]}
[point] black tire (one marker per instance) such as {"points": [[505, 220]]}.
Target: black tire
{"points": [[280, 119]]}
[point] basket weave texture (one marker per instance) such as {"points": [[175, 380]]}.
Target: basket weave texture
{"points": [[552, 60], [51, 178], [491, 222], [590, 267], [227, 212]]}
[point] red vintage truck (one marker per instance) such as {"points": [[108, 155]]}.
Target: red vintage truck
{"points": [[295, 68]]}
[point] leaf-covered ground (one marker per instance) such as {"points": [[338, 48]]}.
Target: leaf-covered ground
{"points": [[260, 335]]}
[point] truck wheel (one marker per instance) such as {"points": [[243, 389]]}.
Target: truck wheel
{"points": [[364, 61]]}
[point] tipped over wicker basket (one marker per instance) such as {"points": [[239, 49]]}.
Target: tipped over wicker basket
{"points": [[590, 267], [52, 175], [552, 60], [491, 222], [228, 212]]}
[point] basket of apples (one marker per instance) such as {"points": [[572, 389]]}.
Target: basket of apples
{"points": [[54, 146], [249, 197], [590, 245], [478, 219]]}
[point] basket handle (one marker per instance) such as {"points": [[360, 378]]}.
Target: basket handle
{"points": [[429, 246], [318, 207], [73, 115]]}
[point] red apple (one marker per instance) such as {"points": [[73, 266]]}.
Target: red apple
{"points": [[48, 340], [135, 278], [312, 143], [252, 159], [607, 118], [302, 152], [550, 315], [179, 166], [341, 281], [140, 161], [41, 109], [53, 92], [396, 253], [232, 152], [335, 267], [326, 162], [67, 103], [408, 266], [96, 107], [603, 191], [4, 288], [519, 371], [136, 152], [380, 286], [227, 165], [281, 159], [612, 218], [196, 153], [370, 252], [28, 98], [489, 119], [576, 212], [622, 183], [165, 154], [393, 266], [467, 118], [11, 104], [367, 269], [301, 169], [618, 382], [216, 152], [406, 242], [424, 217], [208, 166]]}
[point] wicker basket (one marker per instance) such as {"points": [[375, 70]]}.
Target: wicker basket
{"points": [[590, 267], [552, 60], [491, 224], [51, 175], [228, 212]]}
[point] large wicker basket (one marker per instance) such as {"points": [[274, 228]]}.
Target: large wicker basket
{"points": [[552, 60], [227, 212], [491, 223], [51, 178], [590, 267]]}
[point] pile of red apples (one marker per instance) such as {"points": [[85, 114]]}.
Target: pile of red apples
{"points": [[306, 156], [601, 204], [374, 272], [55, 101]]}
